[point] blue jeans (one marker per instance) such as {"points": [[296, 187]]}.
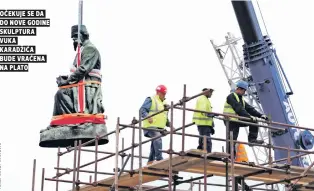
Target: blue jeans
{"points": [[205, 130], [155, 147]]}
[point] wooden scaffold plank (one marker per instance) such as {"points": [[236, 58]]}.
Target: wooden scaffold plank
{"points": [[192, 164], [217, 168], [128, 181]]}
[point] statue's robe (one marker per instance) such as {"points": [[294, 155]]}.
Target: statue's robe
{"points": [[66, 99], [66, 102]]}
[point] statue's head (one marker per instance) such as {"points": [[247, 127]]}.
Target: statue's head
{"points": [[84, 35]]}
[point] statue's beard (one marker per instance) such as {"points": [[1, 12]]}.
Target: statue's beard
{"points": [[75, 44]]}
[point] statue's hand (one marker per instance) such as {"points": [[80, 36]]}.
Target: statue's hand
{"points": [[62, 81], [65, 77]]}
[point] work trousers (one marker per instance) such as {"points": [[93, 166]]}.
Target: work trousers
{"points": [[235, 127], [205, 130], [156, 145]]}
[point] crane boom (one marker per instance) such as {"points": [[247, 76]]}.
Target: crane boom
{"points": [[269, 80]]}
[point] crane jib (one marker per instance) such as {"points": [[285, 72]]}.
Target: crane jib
{"points": [[264, 65]]}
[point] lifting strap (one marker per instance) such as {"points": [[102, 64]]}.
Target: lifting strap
{"points": [[78, 118], [80, 83]]}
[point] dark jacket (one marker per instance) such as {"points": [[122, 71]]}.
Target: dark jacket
{"points": [[239, 109]]}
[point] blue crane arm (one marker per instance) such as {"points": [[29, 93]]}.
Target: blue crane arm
{"points": [[269, 80]]}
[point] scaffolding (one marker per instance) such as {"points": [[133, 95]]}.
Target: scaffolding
{"points": [[186, 160]]}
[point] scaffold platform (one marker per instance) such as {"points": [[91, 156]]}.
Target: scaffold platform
{"points": [[271, 173], [193, 162]]}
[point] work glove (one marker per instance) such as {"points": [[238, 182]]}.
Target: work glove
{"points": [[212, 131], [264, 117], [254, 119], [168, 124], [167, 107], [134, 121], [150, 120], [211, 115], [164, 132]]}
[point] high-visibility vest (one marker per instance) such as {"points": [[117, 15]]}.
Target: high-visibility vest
{"points": [[199, 118], [241, 155], [160, 119], [229, 110]]}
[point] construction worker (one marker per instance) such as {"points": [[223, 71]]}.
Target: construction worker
{"points": [[235, 105], [204, 121], [152, 105]]}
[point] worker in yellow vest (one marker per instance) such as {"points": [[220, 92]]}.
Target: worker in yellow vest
{"points": [[204, 121], [241, 155], [153, 105], [235, 105]]}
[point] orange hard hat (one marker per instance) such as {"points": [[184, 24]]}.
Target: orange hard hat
{"points": [[161, 89]]}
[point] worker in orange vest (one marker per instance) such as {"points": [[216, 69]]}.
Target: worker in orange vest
{"points": [[241, 155]]}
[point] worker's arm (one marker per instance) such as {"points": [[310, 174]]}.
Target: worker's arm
{"points": [[146, 107], [90, 56], [251, 110], [237, 107]]}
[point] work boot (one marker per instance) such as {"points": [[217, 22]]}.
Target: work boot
{"points": [[199, 148], [150, 162], [255, 141], [247, 188]]}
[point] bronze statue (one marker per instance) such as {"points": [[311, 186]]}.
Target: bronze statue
{"points": [[78, 112]]}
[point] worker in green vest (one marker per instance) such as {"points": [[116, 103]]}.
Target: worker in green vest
{"points": [[235, 105], [150, 106], [204, 121]]}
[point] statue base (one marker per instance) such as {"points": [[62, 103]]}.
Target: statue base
{"points": [[64, 135]]}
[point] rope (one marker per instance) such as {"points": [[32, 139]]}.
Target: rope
{"points": [[289, 100], [262, 17], [72, 115], [79, 84]]}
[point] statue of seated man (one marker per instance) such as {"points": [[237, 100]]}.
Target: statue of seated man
{"points": [[78, 109], [66, 98]]}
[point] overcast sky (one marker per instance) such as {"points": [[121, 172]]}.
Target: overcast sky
{"points": [[143, 43]]}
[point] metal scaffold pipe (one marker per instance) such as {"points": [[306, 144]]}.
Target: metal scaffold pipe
{"points": [[173, 182]]}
